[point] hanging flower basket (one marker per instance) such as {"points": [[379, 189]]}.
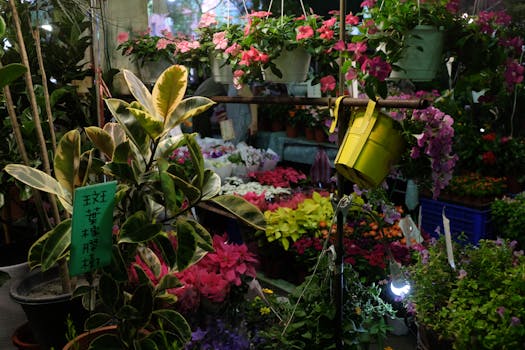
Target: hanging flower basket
{"points": [[220, 71], [422, 57], [293, 64], [370, 147]]}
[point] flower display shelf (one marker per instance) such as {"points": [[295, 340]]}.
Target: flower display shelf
{"points": [[475, 223]]}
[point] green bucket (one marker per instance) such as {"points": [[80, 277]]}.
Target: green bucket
{"points": [[371, 146]]}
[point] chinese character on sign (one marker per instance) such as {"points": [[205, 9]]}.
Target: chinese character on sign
{"points": [[91, 232]]}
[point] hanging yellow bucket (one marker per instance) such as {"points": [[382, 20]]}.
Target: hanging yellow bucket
{"points": [[371, 146]]}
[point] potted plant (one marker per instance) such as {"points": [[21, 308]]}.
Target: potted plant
{"points": [[269, 39], [476, 301], [152, 53], [153, 196], [508, 215], [306, 318]]}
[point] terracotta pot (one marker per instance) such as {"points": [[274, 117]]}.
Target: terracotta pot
{"points": [[23, 338], [309, 133], [319, 135], [82, 341], [291, 130]]}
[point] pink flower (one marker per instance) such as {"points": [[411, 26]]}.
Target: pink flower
{"points": [[304, 32], [185, 46], [122, 37], [357, 48], [351, 74], [351, 19], [325, 33], [220, 40], [207, 19], [329, 23], [339, 46], [260, 14], [368, 3], [513, 73], [327, 83], [234, 49], [163, 43], [378, 68]]}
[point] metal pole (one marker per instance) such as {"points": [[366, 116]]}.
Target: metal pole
{"points": [[322, 101]]}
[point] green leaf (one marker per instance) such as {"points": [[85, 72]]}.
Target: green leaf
{"points": [[149, 123], [197, 158], [165, 246], [142, 300], [167, 281], [168, 186], [55, 245], [172, 320], [67, 160], [109, 291], [212, 185], [128, 122], [106, 342], [192, 194], [169, 91], [167, 145], [204, 239], [10, 73], [187, 109], [118, 268], [150, 259], [139, 91], [97, 320], [141, 274], [137, 229], [41, 181], [186, 243], [102, 140], [242, 209]]}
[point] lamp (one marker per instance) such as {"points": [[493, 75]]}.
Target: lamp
{"points": [[399, 285]]}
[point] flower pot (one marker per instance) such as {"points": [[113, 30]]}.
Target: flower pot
{"points": [[23, 339], [422, 57], [220, 72], [291, 131], [319, 135], [47, 312], [427, 339], [293, 64], [370, 147], [82, 341], [309, 133], [151, 70], [11, 314]]}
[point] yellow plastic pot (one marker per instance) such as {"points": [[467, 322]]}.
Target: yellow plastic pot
{"points": [[371, 146]]}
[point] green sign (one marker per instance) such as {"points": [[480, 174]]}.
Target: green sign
{"points": [[91, 234]]}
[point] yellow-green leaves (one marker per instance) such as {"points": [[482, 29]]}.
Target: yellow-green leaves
{"points": [[67, 160]]}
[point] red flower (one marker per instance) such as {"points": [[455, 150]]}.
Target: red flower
{"points": [[489, 137], [489, 158]]}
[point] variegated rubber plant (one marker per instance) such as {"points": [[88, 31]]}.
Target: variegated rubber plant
{"points": [[153, 201]]}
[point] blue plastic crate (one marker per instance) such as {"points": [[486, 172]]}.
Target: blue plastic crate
{"points": [[474, 223]]}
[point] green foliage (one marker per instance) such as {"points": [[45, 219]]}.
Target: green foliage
{"points": [[153, 197], [481, 303], [286, 225], [508, 217], [308, 317]]}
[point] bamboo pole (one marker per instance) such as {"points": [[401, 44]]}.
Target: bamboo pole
{"points": [[66, 286], [49, 113]]}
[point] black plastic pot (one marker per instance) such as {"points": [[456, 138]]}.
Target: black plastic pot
{"points": [[46, 312]]}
